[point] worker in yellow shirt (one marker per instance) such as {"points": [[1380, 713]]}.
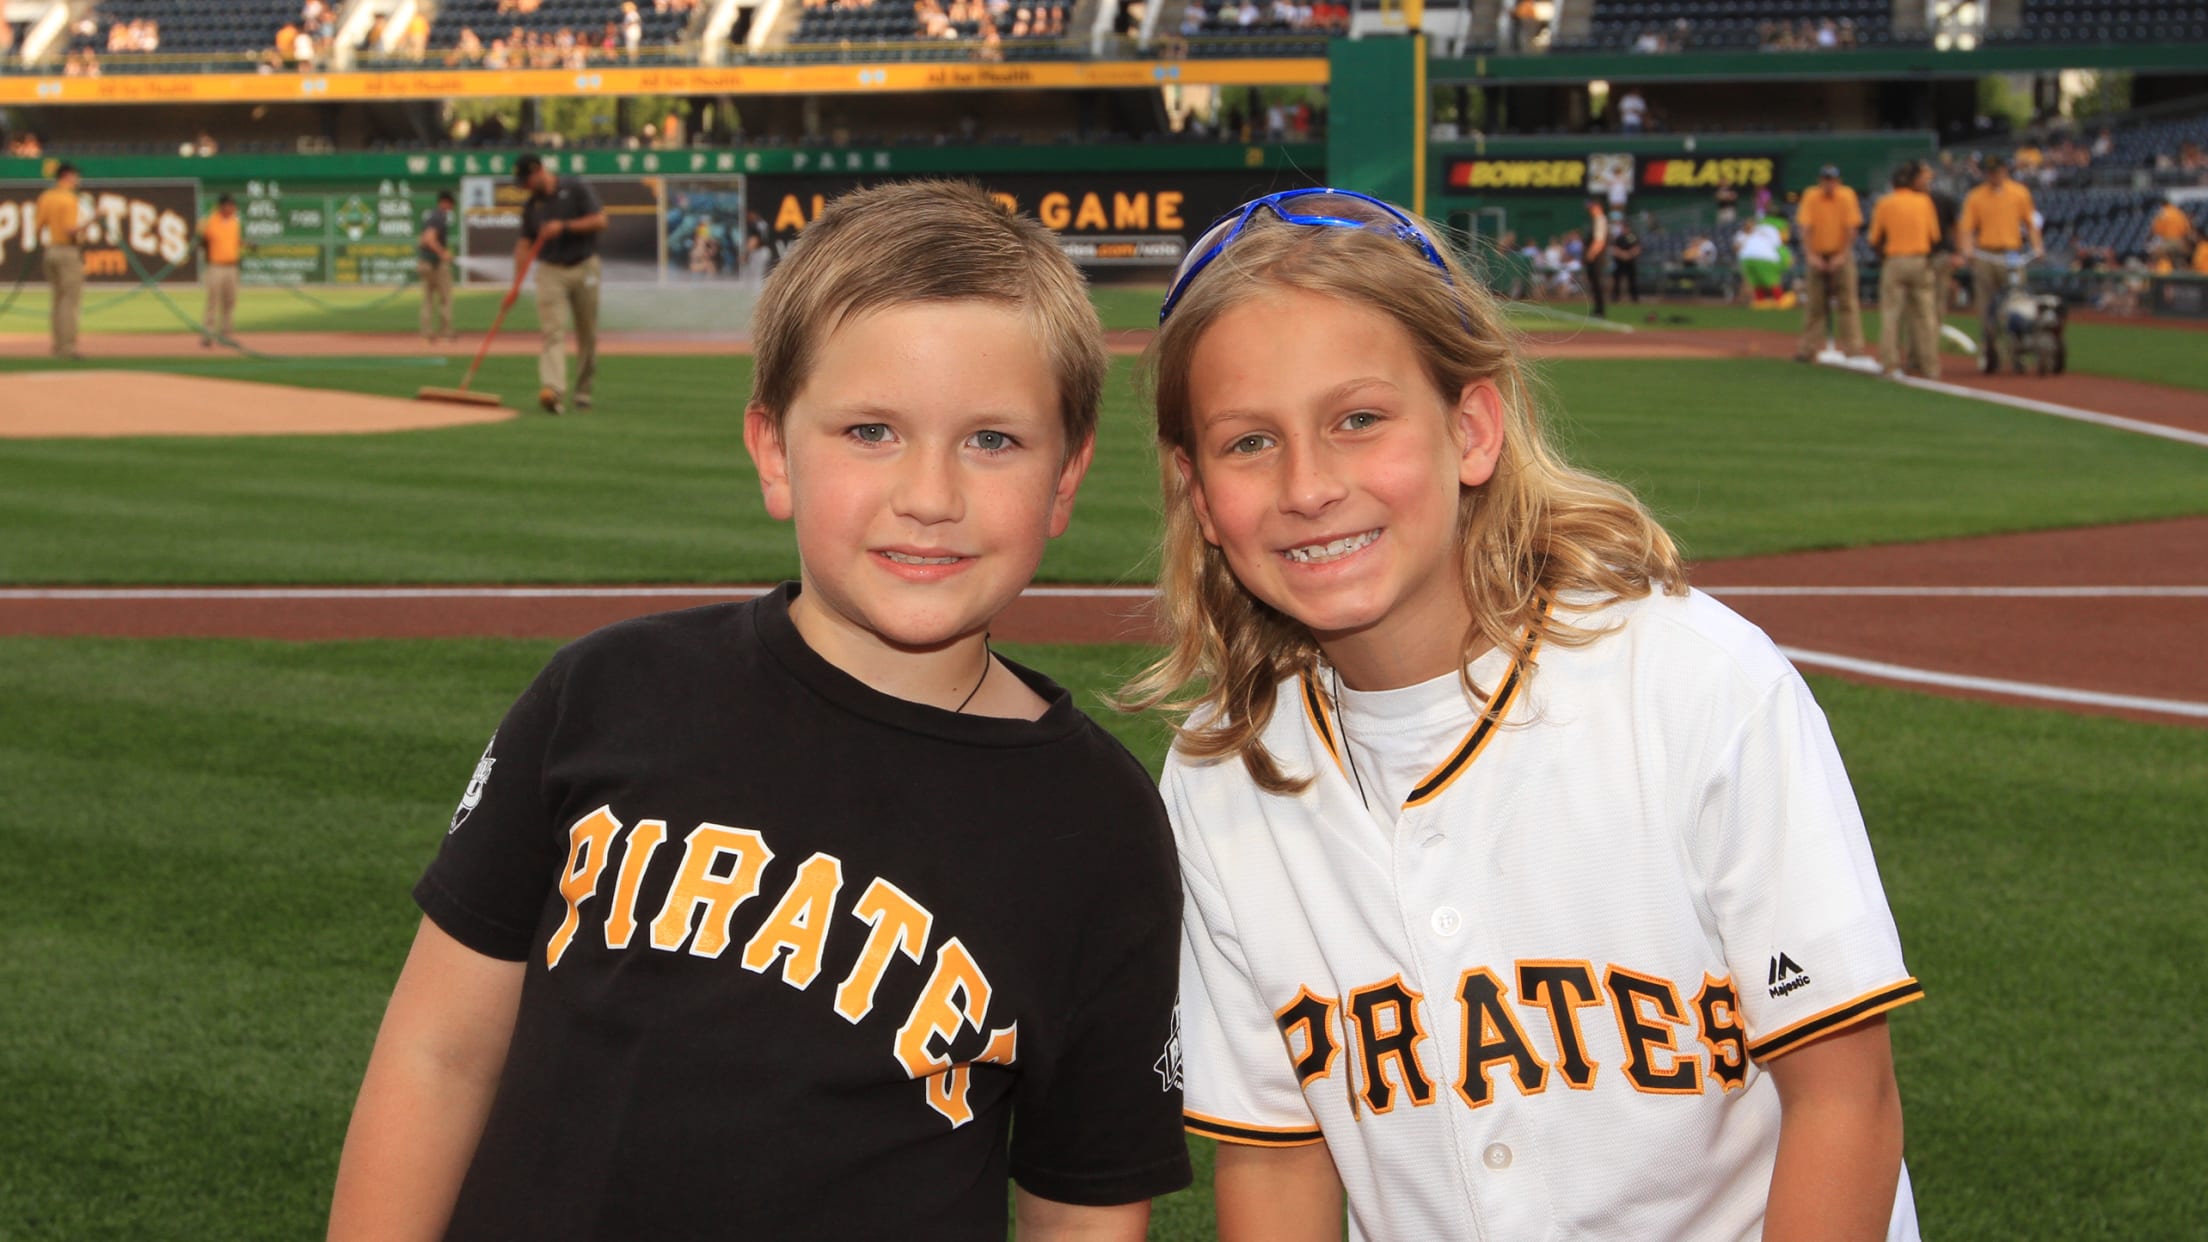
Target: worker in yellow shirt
{"points": [[2173, 232], [1827, 220], [220, 236], [58, 219], [1996, 223], [2200, 257], [1904, 226]]}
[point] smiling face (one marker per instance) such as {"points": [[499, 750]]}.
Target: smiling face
{"points": [[1326, 468], [925, 465]]}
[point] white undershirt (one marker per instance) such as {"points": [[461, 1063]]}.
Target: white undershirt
{"points": [[1394, 738]]}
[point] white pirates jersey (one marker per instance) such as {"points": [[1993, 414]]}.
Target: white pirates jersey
{"points": [[1540, 1006]]}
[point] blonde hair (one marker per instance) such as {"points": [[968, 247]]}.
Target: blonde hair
{"points": [[925, 241], [1538, 528]]}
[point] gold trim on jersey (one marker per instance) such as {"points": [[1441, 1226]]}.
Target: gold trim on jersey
{"points": [[1788, 1038], [1314, 710], [1248, 1135], [1514, 679]]}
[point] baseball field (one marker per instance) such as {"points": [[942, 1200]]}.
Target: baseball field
{"points": [[213, 837]]}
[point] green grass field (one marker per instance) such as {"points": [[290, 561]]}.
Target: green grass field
{"points": [[109, 308], [1743, 457], [214, 840]]}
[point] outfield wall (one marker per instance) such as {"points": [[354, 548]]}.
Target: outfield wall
{"points": [[1123, 210]]}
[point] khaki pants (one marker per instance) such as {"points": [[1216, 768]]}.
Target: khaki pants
{"points": [[561, 291], [65, 273], [436, 299], [1989, 283], [1836, 286], [222, 300], [1909, 323]]}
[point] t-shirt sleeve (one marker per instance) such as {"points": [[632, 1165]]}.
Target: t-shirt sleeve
{"points": [[1795, 891], [1241, 1083], [487, 886], [586, 199], [1099, 1124]]}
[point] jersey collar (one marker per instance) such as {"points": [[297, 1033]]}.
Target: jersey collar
{"points": [[1325, 726]]}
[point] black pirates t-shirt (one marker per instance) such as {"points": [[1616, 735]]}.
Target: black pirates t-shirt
{"points": [[805, 960]]}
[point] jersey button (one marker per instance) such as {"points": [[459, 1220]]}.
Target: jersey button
{"points": [[1496, 1156], [1447, 922]]}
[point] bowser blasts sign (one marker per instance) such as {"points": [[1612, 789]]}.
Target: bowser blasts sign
{"points": [[150, 222]]}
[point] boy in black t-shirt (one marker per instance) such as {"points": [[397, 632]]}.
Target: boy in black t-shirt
{"points": [[811, 917]]}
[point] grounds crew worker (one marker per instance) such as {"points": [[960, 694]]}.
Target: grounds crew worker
{"points": [[568, 216], [1828, 218], [434, 260], [220, 235], [57, 218], [1904, 227], [1997, 218]]}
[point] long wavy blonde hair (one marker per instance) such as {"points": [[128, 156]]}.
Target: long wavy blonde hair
{"points": [[1537, 529]]}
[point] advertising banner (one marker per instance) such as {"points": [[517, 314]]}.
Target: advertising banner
{"points": [[1105, 221], [306, 235], [1601, 174], [150, 221]]}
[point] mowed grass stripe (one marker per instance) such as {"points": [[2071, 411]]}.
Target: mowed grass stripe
{"points": [[1738, 457], [215, 842]]}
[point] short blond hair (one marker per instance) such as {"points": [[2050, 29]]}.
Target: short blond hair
{"points": [[926, 241], [1537, 528]]}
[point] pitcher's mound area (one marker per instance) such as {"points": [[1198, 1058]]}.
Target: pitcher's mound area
{"points": [[138, 403]]}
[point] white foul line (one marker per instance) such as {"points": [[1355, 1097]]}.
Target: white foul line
{"points": [[2062, 411], [1995, 685]]}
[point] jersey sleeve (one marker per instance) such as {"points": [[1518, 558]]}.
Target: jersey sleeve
{"points": [[1099, 1123], [1804, 921], [1241, 1085], [586, 199], [487, 886]]}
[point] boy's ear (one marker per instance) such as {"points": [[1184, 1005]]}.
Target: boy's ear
{"points": [[1194, 483], [768, 457], [1479, 427], [1069, 484]]}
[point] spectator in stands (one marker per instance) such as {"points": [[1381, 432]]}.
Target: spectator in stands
{"points": [[1525, 25], [1632, 111], [221, 239], [1828, 219], [1904, 226], [2200, 255], [2104, 143], [57, 219], [302, 50], [7, 35], [417, 36], [1997, 220], [1727, 198], [2173, 233], [632, 28]]}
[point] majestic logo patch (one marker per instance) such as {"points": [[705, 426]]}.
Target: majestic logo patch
{"points": [[1169, 1062], [474, 794], [1786, 976]]}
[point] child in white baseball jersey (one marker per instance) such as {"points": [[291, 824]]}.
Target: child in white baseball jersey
{"points": [[1526, 895]]}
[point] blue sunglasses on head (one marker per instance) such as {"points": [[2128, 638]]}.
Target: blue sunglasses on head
{"points": [[1312, 204]]}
